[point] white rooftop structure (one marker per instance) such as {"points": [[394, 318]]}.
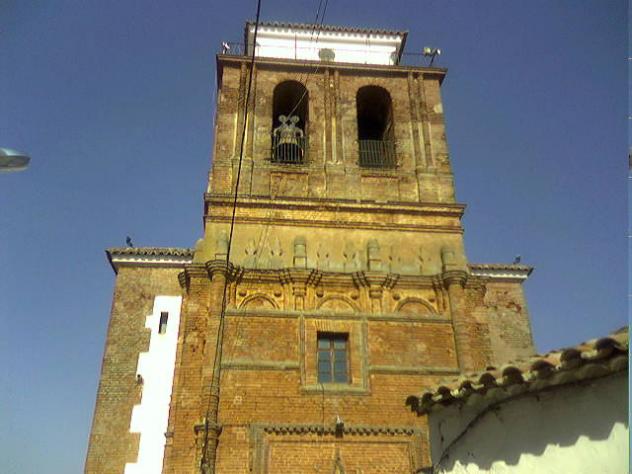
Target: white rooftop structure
{"points": [[325, 43]]}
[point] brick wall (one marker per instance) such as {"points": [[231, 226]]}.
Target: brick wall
{"points": [[111, 444], [412, 313], [423, 174], [508, 320]]}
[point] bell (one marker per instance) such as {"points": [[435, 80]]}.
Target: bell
{"points": [[288, 141]]}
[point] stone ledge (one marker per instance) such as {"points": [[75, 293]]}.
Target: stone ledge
{"points": [[148, 256], [500, 271], [421, 370], [251, 364], [292, 428], [335, 388]]}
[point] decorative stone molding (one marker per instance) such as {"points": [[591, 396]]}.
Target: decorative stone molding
{"points": [[148, 256], [262, 436], [501, 271], [191, 271], [323, 213], [454, 277], [292, 428], [228, 270], [417, 370], [248, 364], [299, 275], [330, 315], [426, 304]]}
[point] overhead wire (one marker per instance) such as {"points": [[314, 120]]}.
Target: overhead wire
{"points": [[217, 362], [220, 333], [322, 18], [264, 236]]}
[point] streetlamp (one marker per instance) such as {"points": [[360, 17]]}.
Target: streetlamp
{"points": [[11, 160]]}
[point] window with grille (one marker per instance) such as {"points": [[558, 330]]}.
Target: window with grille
{"points": [[333, 358]]}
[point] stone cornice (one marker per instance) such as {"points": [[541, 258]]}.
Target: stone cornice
{"points": [[300, 276], [342, 214], [499, 271], [333, 315], [208, 270], [149, 257], [302, 64], [356, 279], [230, 271], [303, 204]]}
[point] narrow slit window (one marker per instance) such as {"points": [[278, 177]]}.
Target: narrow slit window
{"points": [[162, 326], [333, 359]]}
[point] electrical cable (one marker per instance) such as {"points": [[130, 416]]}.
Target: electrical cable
{"points": [[322, 18], [220, 330], [263, 238]]}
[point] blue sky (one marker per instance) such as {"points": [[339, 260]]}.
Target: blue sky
{"points": [[114, 102]]}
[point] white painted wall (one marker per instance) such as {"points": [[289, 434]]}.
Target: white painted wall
{"points": [[150, 417], [348, 48], [572, 429]]}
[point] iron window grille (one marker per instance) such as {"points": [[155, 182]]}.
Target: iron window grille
{"points": [[377, 153], [289, 152]]}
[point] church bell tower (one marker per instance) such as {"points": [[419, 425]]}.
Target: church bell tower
{"points": [[342, 288]]}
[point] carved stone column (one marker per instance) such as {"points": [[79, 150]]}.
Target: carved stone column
{"points": [[298, 279], [454, 278], [220, 273], [298, 290], [375, 295]]}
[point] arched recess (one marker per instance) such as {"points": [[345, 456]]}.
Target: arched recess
{"points": [[290, 122], [415, 307], [258, 301], [337, 304], [376, 136], [290, 98]]}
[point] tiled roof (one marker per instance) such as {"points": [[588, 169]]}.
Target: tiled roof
{"points": [[589, 360], [341, 29], [151, 251]]}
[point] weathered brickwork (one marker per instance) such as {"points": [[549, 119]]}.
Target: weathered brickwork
{"points": [[423, 173], [374, 255], [508, 322], [111, 444]]}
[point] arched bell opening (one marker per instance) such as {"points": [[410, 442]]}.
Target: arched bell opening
{"points": [[290, 109], [375, 127]]}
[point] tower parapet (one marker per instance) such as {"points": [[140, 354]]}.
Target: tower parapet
{"points": [[325, 43]]}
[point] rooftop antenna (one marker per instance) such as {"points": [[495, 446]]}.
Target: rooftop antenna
{"points": [[11, 160], [432, 53]]}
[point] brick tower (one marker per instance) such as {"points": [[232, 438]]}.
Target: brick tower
{"points": [[347, 286]]}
